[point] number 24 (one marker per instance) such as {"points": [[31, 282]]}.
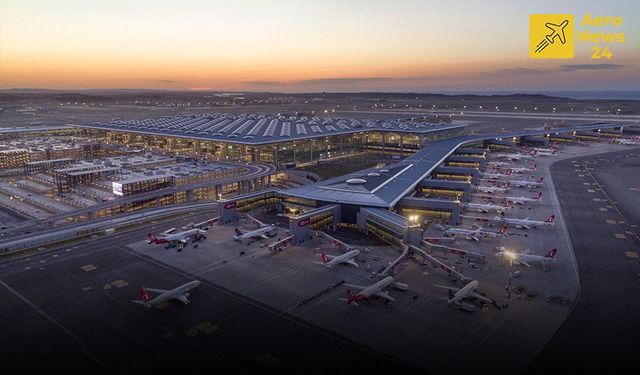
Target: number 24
{"points": [[597, 54]]}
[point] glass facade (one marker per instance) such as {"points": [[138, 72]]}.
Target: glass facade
{"points": [[299, 152]]}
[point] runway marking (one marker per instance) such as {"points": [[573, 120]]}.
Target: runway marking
{"points": [[620, 236], [119, 283], [596, 199], [603, 209], [206, 327], [611, 221], [580, 175], [86, 288], [89, 267], [591, 190], [39, 310], [586, 183]]}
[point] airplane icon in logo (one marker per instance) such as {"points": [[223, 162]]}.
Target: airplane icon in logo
{"points": [[556, 31]]}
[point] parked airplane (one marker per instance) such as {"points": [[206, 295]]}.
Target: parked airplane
{"points": [[546, 153], [475, 234], [368, 291], [206, 224], [526, 223], [523, 200], [264, 231], [528, 183], [526, 258], [180, 293], [524, 169], [331, 260], [495, 175], [456, 296], [180, 237], [629, 142], [517, 156], [488, 207], [494, 189], [542, 149], [499, 163]]}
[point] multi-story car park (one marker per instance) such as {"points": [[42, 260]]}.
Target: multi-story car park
{"points": [[277, 140]]}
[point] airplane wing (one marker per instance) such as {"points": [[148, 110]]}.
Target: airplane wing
{"points": [[385, 295], [168, 231], [524, 263], [353, 286], [351, 262], [472, 237], [182, 298], [481, 297], [260, 223], [156, 290], [264, 236]]}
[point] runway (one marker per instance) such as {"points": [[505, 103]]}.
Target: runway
{"points": [[71, 309], [600, 203]]}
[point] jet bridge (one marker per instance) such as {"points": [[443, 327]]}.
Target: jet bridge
{"points": [[389, 226], [457, 174], [457, 190], [466, 161], [301, 226]]}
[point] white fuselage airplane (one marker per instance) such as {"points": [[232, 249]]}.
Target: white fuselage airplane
{"points": [[475, 234], [494, 189], [523, 200], [346, 258], [528, 183], [546, 153], [180, 237], [467, 291], [527, 259], [540, 149], [180, 293], [517, 156], [365, 292], [499, 163], [264, 231], [495, 175], [524, 169], [526, 223], [628, 142], [488, 207]]}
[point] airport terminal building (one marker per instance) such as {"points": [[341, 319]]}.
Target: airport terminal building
{"points": [[278, 140]]}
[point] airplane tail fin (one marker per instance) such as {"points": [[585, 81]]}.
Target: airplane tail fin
{"points": [[535, 166], [503, 230], [507, 184], [144, 294], [539, 196], [541, 179], [451, 294], [550, 219], [238, 233], [152, 238], [325, 258], [551, 254], [351, 298], [509, 172]]}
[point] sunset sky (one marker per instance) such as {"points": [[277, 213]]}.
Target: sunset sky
{"points": [[303, 46]]}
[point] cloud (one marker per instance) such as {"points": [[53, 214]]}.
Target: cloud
{"points": [[337, 81], [343, 81], [166, 81], [576, 67], [517, 71], [264, 83]]}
